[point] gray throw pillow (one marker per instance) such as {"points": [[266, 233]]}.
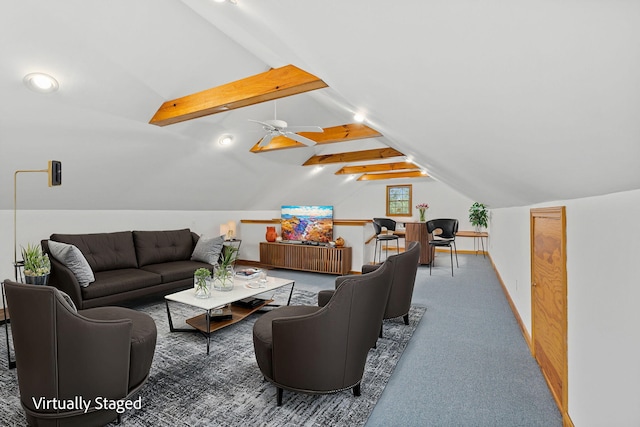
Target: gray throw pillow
{"points": [[208, 249], [73, 259], [67, 299]]}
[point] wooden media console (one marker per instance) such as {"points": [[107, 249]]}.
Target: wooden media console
{"points": [[318, 259]]}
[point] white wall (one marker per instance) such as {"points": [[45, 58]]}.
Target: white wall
{"points": [[603, 244], [35, 225], [443, 203]]}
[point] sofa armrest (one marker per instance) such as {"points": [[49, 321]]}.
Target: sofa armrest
{"points": [[63, 278]]}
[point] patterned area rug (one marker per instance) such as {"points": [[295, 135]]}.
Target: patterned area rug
{"points": [[187, 387]]}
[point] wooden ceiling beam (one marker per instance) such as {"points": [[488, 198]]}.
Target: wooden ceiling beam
{"points": [[343, 133], [273, 84], [392, 175], [353, 156], [378, 167]]}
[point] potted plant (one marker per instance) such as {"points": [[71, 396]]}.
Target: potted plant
{"points": [[223, 271], [478, 215], [36, 265], [202, 282]]}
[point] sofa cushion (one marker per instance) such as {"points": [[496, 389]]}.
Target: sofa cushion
{"points": [[118, 281], [155, 247], [73, 259], [176, 270], [103, 251], [208, 249]]}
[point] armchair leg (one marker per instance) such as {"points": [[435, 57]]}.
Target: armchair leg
{"points": [[356, 390], [279, 397], [380, 331], [406, 319]]}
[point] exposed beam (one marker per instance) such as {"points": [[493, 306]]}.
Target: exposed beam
{"points": [[273, 84], [354, 156], [378, 167], [392, 175], [343, 133]]}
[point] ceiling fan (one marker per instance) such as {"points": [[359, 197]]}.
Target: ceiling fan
{"points": [[277, 127]]}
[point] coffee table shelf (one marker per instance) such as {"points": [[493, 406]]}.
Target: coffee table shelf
{"points": [[237, 313]]}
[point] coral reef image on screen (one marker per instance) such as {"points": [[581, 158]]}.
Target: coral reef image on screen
{"points": [[307, 223]]}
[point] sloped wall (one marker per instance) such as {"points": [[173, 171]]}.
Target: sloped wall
{"points": [[603, 248]]}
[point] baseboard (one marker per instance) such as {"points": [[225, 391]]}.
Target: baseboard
{"points": [[523, 329]]}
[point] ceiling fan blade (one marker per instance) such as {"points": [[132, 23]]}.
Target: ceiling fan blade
{"points": [[266, 126], [299, 138], [266, 140], [304, 129]]}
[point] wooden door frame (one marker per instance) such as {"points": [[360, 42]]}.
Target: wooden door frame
{"points": [[557, 212]]}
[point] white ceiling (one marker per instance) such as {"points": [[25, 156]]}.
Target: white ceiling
{"points": [[509, 103]]}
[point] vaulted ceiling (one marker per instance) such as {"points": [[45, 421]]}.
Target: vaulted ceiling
{"points": [[509, 103]]}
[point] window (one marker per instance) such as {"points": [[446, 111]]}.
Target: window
{"points": [[399, 200]]}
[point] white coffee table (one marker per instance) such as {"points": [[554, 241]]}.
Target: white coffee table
{"points": [[241, 289]]}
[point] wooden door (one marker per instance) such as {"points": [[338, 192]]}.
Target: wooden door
{"points": [[549, 299]]}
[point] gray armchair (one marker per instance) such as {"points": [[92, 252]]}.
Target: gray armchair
{"points": [[103, 352], [323, 349], [404, 268]]}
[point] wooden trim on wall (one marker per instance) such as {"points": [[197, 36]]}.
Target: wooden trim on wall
{"points": [[516, 314]]}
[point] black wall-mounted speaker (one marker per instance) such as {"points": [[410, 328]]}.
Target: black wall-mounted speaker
{"points": [[55, 173]]}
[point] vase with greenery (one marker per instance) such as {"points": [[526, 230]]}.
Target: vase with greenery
{"points": [[36, 265], [478, 215], [202, 282], [223, 271]]}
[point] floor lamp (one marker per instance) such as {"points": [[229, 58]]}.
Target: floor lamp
{"points": [[54, 171]]}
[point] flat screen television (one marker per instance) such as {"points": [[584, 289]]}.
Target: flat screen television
{"points": [[307, 223]]}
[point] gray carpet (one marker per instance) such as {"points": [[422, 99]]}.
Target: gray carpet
{"points": [[225, 388]]}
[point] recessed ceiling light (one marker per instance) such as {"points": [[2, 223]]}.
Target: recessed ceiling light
{"points": [[358, 117], [40, 82], [225, 140]]}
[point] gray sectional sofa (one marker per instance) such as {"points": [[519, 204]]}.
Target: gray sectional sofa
{"points": [[129, 264]]}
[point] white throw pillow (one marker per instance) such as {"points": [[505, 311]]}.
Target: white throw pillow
{"points": [[208, 249], [73, 259]]}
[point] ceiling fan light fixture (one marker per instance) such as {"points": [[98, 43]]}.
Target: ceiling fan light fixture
{"points": [[358, 117], [41, 82]]}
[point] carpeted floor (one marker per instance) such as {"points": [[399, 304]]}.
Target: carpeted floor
{"points": [[187, 387]]}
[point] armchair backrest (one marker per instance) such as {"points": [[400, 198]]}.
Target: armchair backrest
{"points": [[61, 354], [332, 344], [405, 268]]}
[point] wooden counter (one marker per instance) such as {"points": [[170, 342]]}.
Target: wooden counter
{"points": [[417, 231]]}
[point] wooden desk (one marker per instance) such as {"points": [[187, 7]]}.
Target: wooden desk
{"points": [[476, 235], [417, 231]]}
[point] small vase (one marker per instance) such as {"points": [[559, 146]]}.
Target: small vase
{"points": [[271, 234], [203, 287], [422, 215], [223, 278], [37, 280]]}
